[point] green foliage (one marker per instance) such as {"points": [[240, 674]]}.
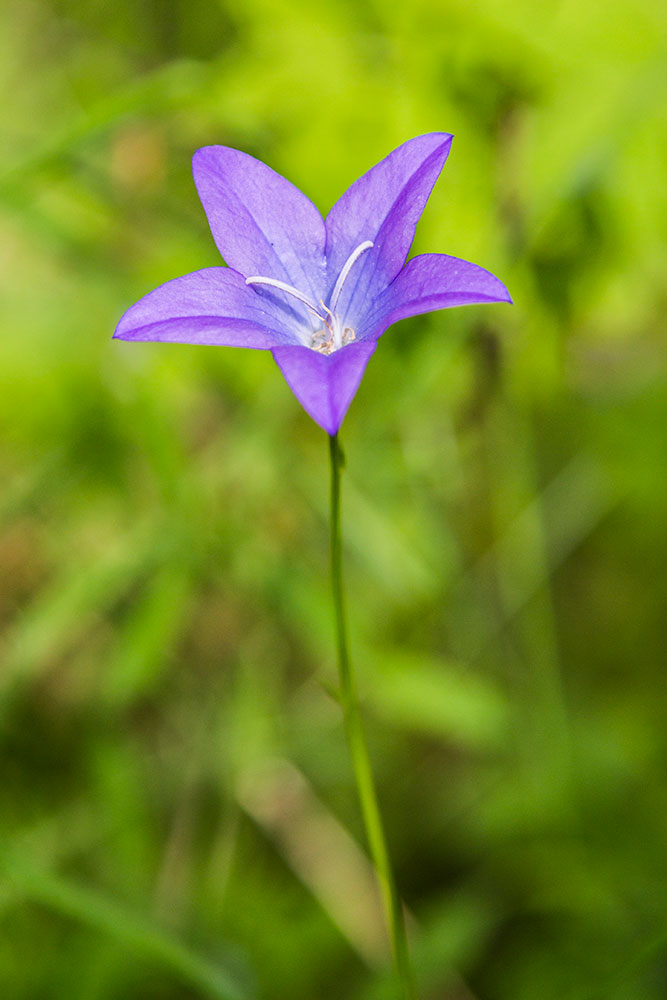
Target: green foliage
{"points": [[172, 751]]}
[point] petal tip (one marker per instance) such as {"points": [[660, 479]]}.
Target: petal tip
{"points": [[445, 139], [203, 151], [504, 295], [207, 158]]}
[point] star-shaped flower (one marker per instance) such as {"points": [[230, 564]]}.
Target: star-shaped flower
{"points": [[317, 293]]}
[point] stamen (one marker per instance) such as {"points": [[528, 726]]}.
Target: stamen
{"points": [[332, 335], [284, 287], [347, 266]]}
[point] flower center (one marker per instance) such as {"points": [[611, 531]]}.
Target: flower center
{"points": [[334, 332]]}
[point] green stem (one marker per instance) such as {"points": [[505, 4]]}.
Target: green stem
{"points": [[359, 750]]}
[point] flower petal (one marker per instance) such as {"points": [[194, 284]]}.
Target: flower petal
{"points": [[384, 206], [324, 384], [261, 223], [429, 282], [212, 306]]}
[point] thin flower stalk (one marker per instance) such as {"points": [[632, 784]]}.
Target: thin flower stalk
{"points": [[358, 747]]}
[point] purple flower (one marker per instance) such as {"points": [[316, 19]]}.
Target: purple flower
{"points": [[317, 293]]}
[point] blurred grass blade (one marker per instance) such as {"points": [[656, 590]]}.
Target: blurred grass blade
{"points": [[320, 851], [167, 87], [62, 611], [437, 698], [137, 934]]}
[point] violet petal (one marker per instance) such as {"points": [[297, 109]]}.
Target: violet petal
{"points": [[384, 205], [212, 306], [261, 223], [324, 384], [429, 282]]}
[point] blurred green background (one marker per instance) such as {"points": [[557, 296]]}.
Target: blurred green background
{"points": [[177, 815]]}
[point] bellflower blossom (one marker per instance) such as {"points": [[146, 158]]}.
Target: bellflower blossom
{"points": [[317, 293]]}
